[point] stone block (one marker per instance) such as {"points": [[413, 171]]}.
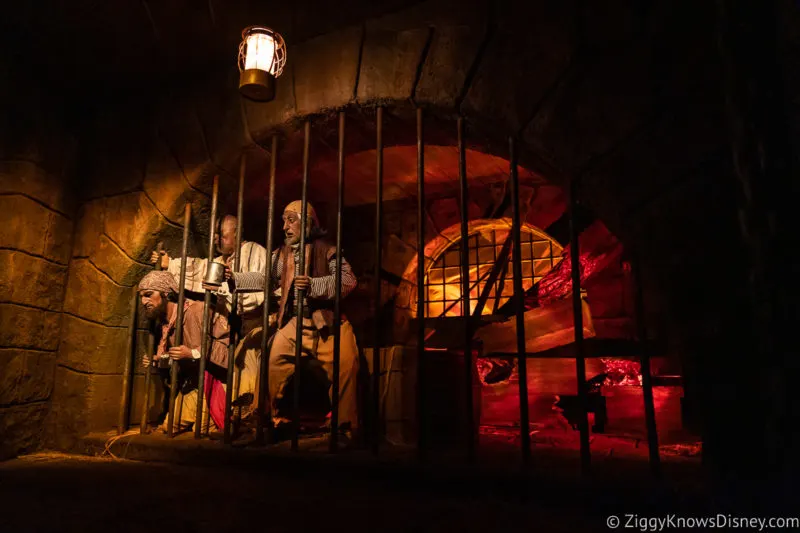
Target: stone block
{"points": [[315, 17], [69, 406], [88, 402], [396, 255], [27, 178], [58, 239], [93, 348], [220, 111], [22, 427], [180, 128], [137, 226], [398, 382], [31, 281], [30, 127], [402, 331], [25, 375], [166, 187], [91, 295], [89, 227], [532, 46], [11, 364], [389, 62], [452, 53], [263, 117], [118, 153], [23, 327], [112, 261], [325, 70], [594, 110], [409, 228], [445, 213], [36, 380], [28, 226], [547, 205]]}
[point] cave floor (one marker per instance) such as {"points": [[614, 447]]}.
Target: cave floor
{"points": [[56, 492], [139, 482], [555, 453]]}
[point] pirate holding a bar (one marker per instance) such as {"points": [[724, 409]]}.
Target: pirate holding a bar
{"points": [[252, 260], [317, 280], [159, 298], [249, 313]]}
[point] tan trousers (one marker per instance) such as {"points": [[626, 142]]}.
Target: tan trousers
{"points": [[281, 364], [185, 413], [247, 365]]}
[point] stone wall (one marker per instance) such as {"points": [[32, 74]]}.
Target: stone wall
{"points": [[37, 209], [138, 179]]}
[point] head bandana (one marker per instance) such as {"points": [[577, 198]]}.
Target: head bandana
{"points": [[159, 280], [297, 207]]}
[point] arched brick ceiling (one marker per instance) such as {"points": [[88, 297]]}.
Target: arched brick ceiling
{"points": [[399, 174]]}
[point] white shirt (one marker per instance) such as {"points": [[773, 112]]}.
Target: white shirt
{"points": [[254, 258]]}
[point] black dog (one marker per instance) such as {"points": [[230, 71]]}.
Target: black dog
{"points": [[570, 406]]}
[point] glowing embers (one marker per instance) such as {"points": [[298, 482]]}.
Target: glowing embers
{"points": [[622, 373], [262, 56]]}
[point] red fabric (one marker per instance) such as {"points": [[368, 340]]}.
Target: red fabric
{"points": [[215, 396]]}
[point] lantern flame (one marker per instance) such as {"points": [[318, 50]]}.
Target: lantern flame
{"points": [[260, 53], [262, 49]]}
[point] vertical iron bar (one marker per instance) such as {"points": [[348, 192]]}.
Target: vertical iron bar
{"points": [[127, 375], [376, 351], [151, 351], [173, 387], [519, 308], [337, 311], [205, 341], [647, 380], [300, 294], [264, 418], [233, 321], [422, 436], [577, 316], [465, 307]]}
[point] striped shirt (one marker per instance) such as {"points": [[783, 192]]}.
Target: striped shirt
{"points": [[322, 288]]}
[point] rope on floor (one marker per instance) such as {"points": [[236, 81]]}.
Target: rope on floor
{"points": [[110, 442]]}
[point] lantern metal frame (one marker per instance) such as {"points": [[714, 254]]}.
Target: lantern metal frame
{"points": [[257, 84]]}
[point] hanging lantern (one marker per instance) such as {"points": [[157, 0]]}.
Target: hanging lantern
{"points": [[262, 55]]}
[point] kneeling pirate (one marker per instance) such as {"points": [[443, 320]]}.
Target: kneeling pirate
{"points": [[159, 298]]}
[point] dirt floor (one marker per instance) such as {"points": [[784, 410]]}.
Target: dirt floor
{"points": [[134, 483], [57, 492]]}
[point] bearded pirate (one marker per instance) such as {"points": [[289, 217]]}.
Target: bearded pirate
{"points": [[318, 280], [159, 296]]}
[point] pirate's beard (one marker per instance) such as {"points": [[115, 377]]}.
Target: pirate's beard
{"points": [[159, 314]]}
